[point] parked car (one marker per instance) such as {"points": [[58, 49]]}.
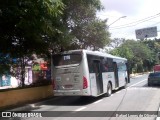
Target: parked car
{"points": [[154, 78]]}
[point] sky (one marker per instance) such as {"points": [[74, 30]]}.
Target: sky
{"points": [[139, 14]]}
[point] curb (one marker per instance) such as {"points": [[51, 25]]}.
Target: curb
{"points": [[158, 116], [137, 75], [31, 106]]}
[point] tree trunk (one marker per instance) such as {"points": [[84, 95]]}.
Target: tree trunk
{"points": [[22, 72]]}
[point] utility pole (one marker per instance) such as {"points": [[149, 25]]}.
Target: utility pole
{"points": [[116, 20]]}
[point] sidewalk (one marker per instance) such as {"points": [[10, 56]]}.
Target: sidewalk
{"points": [[13, 98], [34, 104], [28, 106], [138, 74], [5, 87]]}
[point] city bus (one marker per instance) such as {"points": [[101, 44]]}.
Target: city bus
{"points": [[88, 73]]}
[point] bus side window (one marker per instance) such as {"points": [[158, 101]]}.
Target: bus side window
{"points": [[91, 67], [90, 64], [122, 67], [109, 64], [104, 66]]}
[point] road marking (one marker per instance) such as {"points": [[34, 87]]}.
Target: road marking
{"points": [[158, 118], [143, 88], [137, 76], [79, 109], [137, 83], [98, 101], [118, 91]]}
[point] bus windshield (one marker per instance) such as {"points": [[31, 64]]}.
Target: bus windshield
{"points": [[66, 59]]}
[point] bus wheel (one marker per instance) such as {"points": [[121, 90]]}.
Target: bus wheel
{"points": [[109, 90]]}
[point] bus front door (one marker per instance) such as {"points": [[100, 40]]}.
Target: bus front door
{"points": [[99, 82], [116, 74]]}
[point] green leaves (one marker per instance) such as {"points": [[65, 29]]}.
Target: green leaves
{"points": [[53, 7], [28, 21], [25, 26], [85, 29], [154, 46], [37, 26], [137, 53]]}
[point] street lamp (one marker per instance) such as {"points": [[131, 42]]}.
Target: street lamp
{"points": [[116, 20]]}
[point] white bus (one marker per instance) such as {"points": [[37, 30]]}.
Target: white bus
{"points": [[88, 73]]}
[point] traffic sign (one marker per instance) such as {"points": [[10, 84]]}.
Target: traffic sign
{"points": [[146, 32]]}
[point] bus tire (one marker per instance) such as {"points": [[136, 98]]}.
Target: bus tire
{"points": [[109, 90]]}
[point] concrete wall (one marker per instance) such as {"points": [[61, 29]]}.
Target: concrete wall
{"points": [[15, 97]]}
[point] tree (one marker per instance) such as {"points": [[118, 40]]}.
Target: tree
{"points": [[4, 61], [116, 42], [38, 26], [93, 35], [85, 29], [138, 54], [123, 51], [25, 26], [154, 45]]}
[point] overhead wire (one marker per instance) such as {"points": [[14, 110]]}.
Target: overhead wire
{"points": [[150, 17], [135, 23], [121, 102], [156, 23]]}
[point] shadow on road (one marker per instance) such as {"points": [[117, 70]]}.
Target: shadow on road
{"points": [[146, 86], [75, 100], [72, 101]]}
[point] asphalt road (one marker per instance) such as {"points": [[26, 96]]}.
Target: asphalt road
{"points": [[123, 104]]}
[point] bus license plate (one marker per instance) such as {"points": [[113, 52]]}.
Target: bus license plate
{"points": [[68, 86]]}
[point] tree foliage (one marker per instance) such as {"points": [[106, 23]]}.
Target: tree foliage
{"points": [[139, 56], [85, 29], [116, 42], [154, 45], [24, 25], [38, 26]]}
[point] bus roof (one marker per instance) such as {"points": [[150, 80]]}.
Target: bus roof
{"points": [[96, 53]]}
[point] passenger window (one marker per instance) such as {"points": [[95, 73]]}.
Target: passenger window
{"points": [[90, 64], [107, 65]]}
